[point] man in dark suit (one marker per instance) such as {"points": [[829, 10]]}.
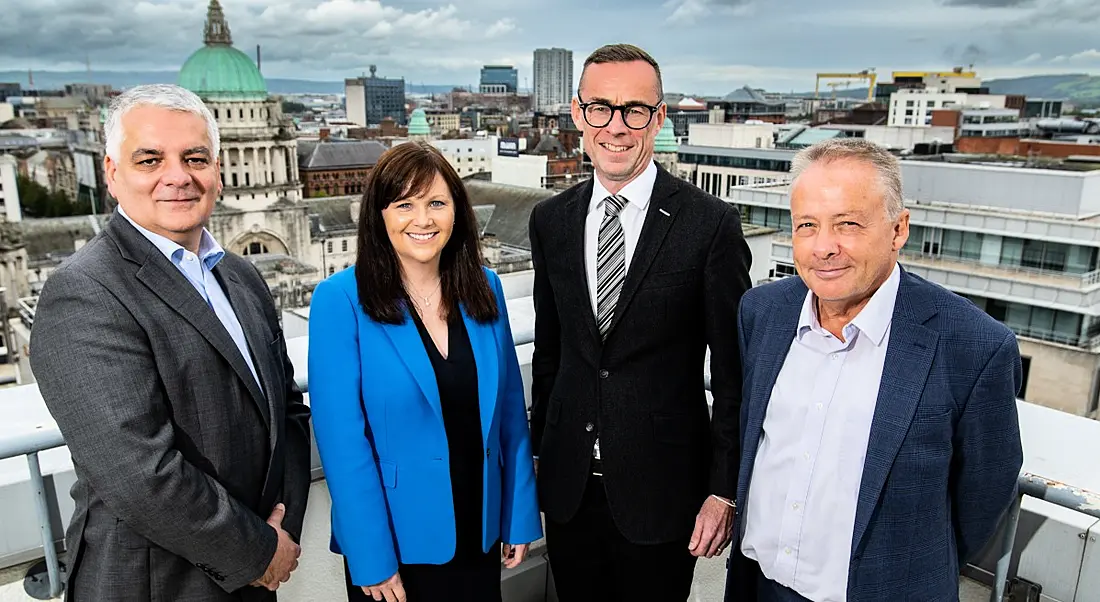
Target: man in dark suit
{"points": [[161, 358], [879, 428], [636, 273]]}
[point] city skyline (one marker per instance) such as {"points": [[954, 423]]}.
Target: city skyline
{"points": [[704, 46]]}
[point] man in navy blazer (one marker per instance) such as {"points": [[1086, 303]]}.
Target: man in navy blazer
{"points": [[879, 432]]}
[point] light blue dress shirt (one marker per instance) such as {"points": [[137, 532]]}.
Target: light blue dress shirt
{"points": [[801, 507], [198, 269]]}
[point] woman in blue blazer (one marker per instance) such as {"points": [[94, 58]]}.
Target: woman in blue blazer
{"points": [[417, 400]]}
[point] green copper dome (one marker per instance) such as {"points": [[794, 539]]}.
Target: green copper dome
{"points": [[218, 71], [418, 124], [666, 139]]}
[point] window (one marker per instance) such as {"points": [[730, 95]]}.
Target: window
{"points": [[216, 114], [241, 115], [344, 245], [255, 248], [329, 245], [247, 179], [252, 113], [234, 180], [331, 270], [909, 103]]}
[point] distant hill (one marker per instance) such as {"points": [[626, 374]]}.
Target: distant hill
{"points": [[1080, 88], [56, 80]]}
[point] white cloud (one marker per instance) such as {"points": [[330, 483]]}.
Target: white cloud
{"points": [[1032, 58], [1090, 55], [688, 12], [501, 27], [1061, 58]]}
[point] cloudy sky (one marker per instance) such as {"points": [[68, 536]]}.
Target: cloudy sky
{"points": [[704, 46]]}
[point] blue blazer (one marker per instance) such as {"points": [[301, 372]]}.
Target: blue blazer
{"points": [[379, 428], [944, 453]]}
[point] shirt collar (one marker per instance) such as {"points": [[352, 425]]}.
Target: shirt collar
{"points": [[210, 252], [873, 320], [637, 192]]}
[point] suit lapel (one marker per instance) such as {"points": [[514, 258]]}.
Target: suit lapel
{"points": [[406, 339], [781, 326], [658, 219], [166, 282], [483, 342], [576, 213], [252, 323], [909, 358]]}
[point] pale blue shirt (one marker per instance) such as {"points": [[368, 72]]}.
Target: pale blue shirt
{"points": [[198, 269], [801, 507]]}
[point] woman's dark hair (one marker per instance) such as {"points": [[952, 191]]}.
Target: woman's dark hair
{"points": [[404, 171]]}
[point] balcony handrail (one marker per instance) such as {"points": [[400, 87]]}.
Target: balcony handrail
{"points": [[1048, 490]]}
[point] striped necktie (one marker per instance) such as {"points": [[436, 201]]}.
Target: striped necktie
{"points": [[610, 262]]}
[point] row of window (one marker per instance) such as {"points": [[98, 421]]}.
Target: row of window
{"points": [[1002, 250], [240, 114], [778, 165], [722, 184], [343, 246]]}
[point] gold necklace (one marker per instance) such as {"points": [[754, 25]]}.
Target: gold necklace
{"points": [[427, 298]]}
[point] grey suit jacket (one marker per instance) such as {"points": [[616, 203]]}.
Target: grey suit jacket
{"points": [[179, 456]]}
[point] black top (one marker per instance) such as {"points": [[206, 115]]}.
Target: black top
{"points": [[456, 376]]}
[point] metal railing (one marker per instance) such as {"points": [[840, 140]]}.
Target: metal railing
{"points": [[29, 445], [1055, 492]]}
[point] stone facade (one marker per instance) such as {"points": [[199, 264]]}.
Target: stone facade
{"points": [[332, 182]]}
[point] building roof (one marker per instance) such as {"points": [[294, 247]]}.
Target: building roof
{"points": [[17, 124], [218, 71], [690, 104], [666, 139], [418, 124], [812, 136], [548, 144], [746, 94], [338, 155], [511, 212], [54, 237], [747, 153], [331, 216]]}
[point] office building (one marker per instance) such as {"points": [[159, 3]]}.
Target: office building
{"points": [[499, 79], [369, 100], [553, 71]]}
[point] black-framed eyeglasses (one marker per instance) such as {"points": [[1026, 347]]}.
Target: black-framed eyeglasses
{"points": [[636, 115]]}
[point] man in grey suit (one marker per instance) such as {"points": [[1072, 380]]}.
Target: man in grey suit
{"points": [[161, 358]]}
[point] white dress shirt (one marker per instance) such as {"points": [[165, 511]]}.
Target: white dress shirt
{"points": [[637, 194], [198, 269], [801, 507]]}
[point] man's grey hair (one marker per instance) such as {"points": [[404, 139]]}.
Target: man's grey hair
{"points": [[857, 149], [167, 96]]}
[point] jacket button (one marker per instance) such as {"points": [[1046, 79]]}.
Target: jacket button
{"points": [[603, 373], [588, 427], [486, 452]]}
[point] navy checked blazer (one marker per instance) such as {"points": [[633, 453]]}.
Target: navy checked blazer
{"points": [[944, 452]]}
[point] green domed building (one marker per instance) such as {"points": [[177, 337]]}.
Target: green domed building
{"points": [[418, 125], [260, 210], [666, 147]]}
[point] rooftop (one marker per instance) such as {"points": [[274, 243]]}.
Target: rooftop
{"points": [[338, 155]]}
